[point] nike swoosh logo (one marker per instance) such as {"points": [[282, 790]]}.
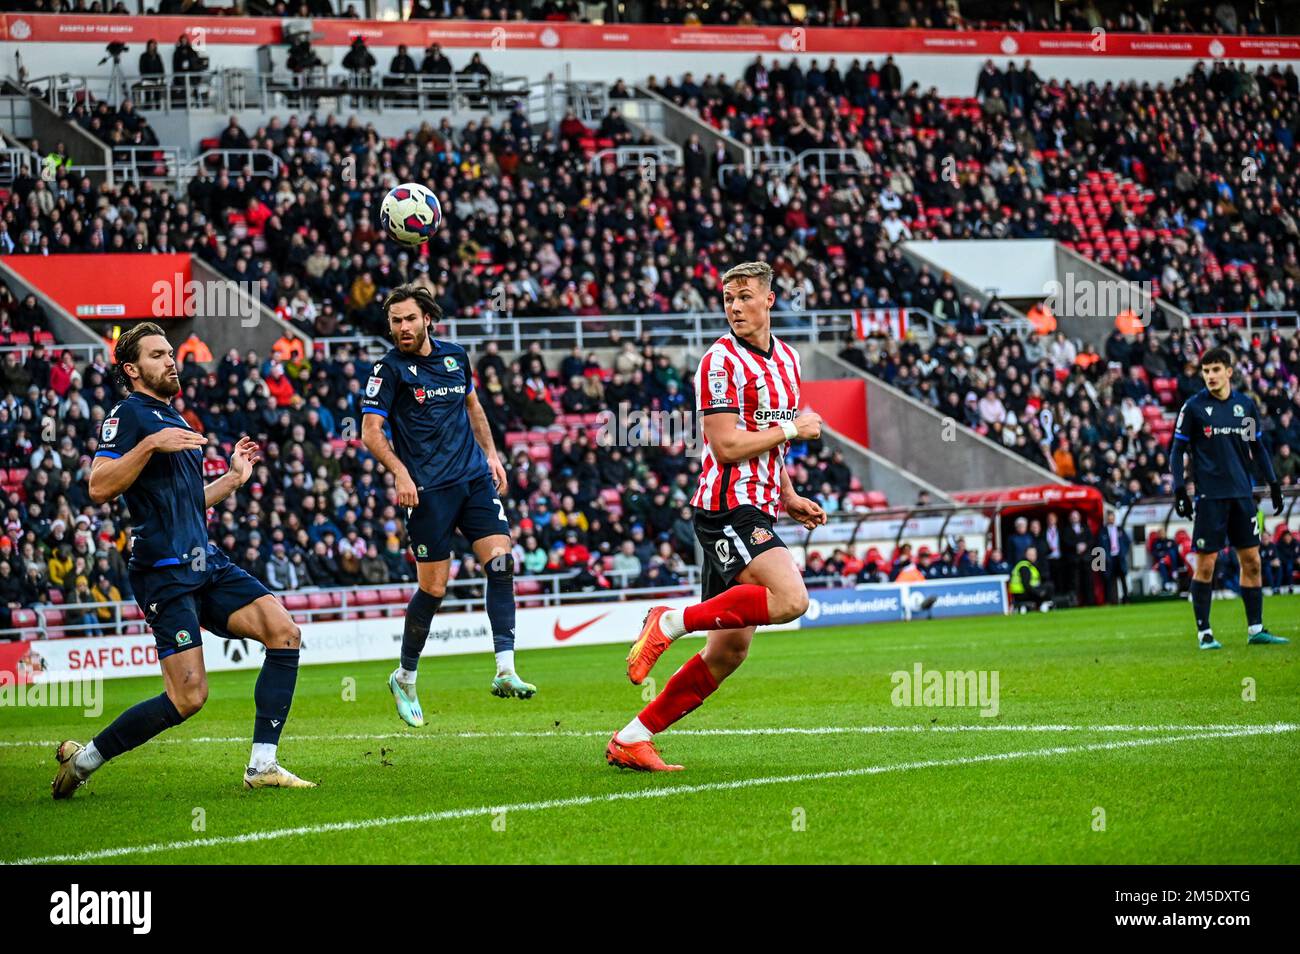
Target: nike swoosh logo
{"points": [[562, 634]]}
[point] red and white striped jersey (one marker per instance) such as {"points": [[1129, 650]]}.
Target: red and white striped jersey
{"points": [[763, 389]]}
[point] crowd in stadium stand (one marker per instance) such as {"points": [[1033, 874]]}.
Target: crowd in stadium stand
{"points": [[1202, 206], [1213, 229], [317, 512], [1096, 419], [1124, 15], [533, 232]]}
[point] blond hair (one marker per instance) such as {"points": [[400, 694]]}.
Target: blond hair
{"points": [[760, 270]]}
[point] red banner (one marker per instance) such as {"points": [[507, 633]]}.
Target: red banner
{"points": [[47, 28], [18, 662], [110, 286], [481, 34], [842, 405]]}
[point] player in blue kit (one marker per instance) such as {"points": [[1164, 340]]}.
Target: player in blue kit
{"points": [[448, 477], [1217, 429], [149, 455]]}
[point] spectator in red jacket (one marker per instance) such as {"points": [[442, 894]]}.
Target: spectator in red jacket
{"points": [[279, 385]]}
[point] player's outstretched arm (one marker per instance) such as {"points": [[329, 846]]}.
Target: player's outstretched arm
{"points": [[732, 446], [242, 460], [483, 435], [372, 435], [111, 476]]}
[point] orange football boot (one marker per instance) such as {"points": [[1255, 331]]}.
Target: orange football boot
{"points": [[649, 646], [639, 756]]}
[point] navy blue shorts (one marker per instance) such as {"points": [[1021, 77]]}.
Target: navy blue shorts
{"points": [[1233, 517], [177, 600], [475, 509]]}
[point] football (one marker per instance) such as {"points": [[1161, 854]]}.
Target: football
{"points": [[410, 213]]}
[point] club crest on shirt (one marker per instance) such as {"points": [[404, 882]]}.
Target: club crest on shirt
{"points": [[450, 363], [760, 536], [110, 428], [1237, 411], [373, 385]]}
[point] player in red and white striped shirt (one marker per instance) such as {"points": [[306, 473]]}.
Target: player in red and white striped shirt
{"points": [[747, 390]]}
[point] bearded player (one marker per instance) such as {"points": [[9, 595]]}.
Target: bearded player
{"points": [[748, 397], [448, 476], [151, 457]]}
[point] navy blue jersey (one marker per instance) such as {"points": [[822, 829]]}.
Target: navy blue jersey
{"points": [[166, 501], [1222, 438], [423, 398]]}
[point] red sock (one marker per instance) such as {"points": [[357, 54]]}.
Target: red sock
{"points": [[743, 605], [684, 693]]}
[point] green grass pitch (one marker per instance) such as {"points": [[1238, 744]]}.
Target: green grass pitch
{"points": [[1131, 757]]}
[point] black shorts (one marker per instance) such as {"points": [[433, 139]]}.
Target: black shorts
{"points": [[731, 539], [1233, 517], [474, 509], [177, 600]]}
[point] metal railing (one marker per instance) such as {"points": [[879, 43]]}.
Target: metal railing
{"points": [[929, 526], [691, 329], [124, 614], [239, 89], [83, 353], [643, 157], [688, 329], [1249, 321], [139, 164], [780, 161]]}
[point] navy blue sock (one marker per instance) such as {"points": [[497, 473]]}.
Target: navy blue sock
{"points": [[1202, 594], [415, 631], [137, 725], [501, 602], [273, 694], [1253, 598]]}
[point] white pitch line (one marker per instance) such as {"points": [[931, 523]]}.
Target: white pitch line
{"points": [[777, 730], [664, 792]]}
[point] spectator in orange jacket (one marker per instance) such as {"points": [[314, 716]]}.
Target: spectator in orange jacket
{"points": [[288, 349], [196, 346]]}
